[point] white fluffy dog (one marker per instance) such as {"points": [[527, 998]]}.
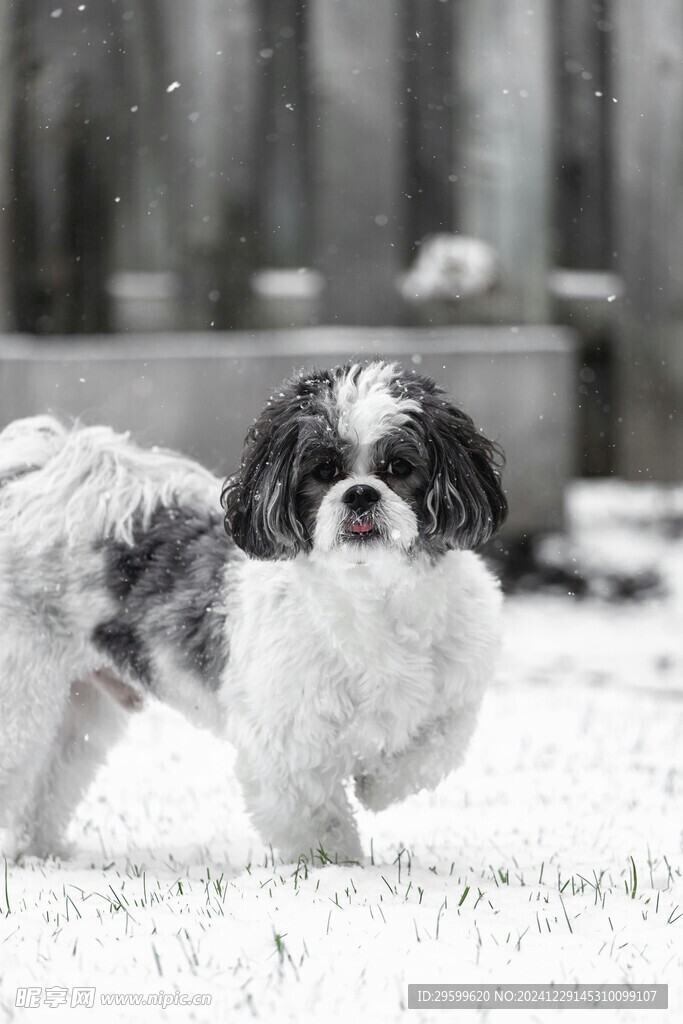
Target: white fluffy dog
{"points": [[333, 625]]}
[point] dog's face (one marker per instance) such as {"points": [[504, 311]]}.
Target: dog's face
{"points": [[360, 461]]}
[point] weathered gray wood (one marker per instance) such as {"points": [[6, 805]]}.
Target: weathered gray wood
{"points": [[146, 212], [283, 167], [358, 143], [119, 170], [581, 134], [648, 85], [65, 117], [503, 148], [429, 103], [518, 385], [5, 156], [212, 50]]}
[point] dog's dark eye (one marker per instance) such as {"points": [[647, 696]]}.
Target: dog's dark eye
{"points": [[399, 467], [326, 472]]}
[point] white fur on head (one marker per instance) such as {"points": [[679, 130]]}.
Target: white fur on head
{"points": [[366, 408]]}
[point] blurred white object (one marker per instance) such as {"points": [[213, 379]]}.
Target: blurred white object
{"points": [[144, 300], [448, 268], [286, 297], [279, 283], [586, 285]]}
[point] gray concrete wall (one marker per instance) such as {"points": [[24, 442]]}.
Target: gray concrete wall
{"points": [[199, 392]]}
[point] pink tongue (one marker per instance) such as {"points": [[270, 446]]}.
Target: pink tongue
{"points": [[361, 527]]}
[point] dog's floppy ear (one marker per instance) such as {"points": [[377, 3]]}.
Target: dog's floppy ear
{"points": [[259, 501], [464, 502]]}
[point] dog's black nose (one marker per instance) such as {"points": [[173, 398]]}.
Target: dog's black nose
{"points": [[361, 497]]}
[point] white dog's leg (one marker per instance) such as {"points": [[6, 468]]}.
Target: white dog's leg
{"points": [[33, 700], [94, 721], [302, 813], [438, 748]]}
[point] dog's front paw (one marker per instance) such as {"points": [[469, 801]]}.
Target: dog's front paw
{"points": [[9, 847], [336, 843], [45, 849], [373, 792]]}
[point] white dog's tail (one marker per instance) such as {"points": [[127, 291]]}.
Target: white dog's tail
{"points": [[28, 444], [66, 485]]}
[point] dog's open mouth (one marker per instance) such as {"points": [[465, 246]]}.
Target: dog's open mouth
{"points": [[360, 529]]}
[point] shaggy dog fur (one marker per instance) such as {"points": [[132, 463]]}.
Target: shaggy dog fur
{"points": [[333, 624]]}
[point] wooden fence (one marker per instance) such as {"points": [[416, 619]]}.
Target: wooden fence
{"points": [[205, 141]]}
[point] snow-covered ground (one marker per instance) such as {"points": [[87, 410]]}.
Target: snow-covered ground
{"points": [[553, 855]]}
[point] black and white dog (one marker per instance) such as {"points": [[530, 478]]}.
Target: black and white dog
{"points": [[339, 629]]}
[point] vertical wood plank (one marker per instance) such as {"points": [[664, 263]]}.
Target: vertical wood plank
{"points": [[213, 51], [6, 84], [283, 166], [431, 99], [647, 59], [358, 140], [64, 125], [503, 148], [145, 210], [582, 136]]}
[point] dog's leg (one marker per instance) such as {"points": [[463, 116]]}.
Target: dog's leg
{"points": [[95, 719], [33, 699], [435, 751], [302, 813]]}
